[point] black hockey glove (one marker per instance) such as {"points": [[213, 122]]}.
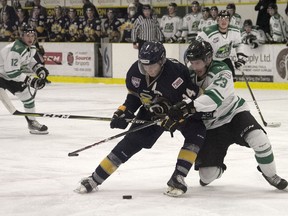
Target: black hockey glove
{"points": [[42, 72], [34, 82], [120, 116], [242, 59], [169, 125], [160, 106], [181, 110]]}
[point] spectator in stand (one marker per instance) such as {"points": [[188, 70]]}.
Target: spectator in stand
{"points": [[92, 27], [39, 23], [206, 19], [127, 26], [8, 10], [139, 7], [16, 4], [43, 10], [88, 4], [74, 27], [263, 17], [56, 25], [235, 18], [7, 28], [171, 24], [278, 26], [146, 28], [22, 18], [190, 24], [252, 35], [111, 27]]}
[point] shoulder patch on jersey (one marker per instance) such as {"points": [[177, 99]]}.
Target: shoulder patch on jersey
{"points": [[135, 81], [177, 83]]}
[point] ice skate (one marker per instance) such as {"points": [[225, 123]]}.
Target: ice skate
{"points": [[275, 180], [87, 185], [176, 186], [36, 128]]}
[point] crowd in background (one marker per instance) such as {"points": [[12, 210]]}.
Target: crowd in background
{"points": [[139, 24]]}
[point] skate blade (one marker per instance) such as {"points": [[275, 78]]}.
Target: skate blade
{"points": [[38, 132], [80, 190], [173, 192]]}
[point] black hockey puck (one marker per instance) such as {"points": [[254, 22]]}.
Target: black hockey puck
{"points": [[127, 196]]}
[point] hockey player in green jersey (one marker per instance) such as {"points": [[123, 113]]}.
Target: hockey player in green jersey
{"points": [[16, 59], [232, 121], [224, 39]]}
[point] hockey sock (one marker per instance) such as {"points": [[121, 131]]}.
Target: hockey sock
{"points": [[186, 158], [107, 166], [261, 145]]}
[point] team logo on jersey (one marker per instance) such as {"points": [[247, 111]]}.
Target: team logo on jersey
{"points": [[136, 81], [177, 83], [215, 40]]}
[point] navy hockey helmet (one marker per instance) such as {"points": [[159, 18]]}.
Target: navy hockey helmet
{"points": [[247, 22], [224, 13], [27, 28], [273, 6], [198, 50], [214, 8], [206, 9], [195, 3], [231, 6], [152, 52]]}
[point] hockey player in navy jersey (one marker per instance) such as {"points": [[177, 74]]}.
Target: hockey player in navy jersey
{"points": [[155, 86]]}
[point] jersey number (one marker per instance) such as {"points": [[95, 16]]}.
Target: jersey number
{"points": [[221, 81], [14, 62]]}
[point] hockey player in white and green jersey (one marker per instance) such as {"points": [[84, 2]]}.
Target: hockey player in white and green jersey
{"points": [[232, 121], [171, 24], [16, 59], [278, 26], [224, 38]]}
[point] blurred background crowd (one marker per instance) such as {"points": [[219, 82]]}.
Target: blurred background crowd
{"points": [[137, 23]]}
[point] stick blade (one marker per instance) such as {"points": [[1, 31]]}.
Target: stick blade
{"points": [[273, 124], [71, 154]]}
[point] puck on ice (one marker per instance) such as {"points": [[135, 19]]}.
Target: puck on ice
{"points": [[127, 196]]}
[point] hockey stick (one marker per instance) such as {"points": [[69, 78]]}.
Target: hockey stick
{"points": [[10, 107], [148, 124], [68, 116], [272, 124]]}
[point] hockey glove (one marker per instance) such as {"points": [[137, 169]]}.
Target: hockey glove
{"points": [[120, 116], [181, 110], [169, 125], [34, 82], [242, 59], [42, 72], [160, 107], [181, 40]]}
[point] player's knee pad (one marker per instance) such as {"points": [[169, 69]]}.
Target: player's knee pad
{"points": [[209, 174]]}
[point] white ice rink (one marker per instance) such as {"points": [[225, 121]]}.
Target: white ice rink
{"points": [[37, 177]]}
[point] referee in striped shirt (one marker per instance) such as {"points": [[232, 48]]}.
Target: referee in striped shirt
{"points": [[146, 28]]}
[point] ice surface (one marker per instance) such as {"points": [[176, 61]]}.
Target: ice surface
{"points": [[37, 177]]}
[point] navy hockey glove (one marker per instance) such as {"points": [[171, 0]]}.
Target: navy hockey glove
{"points": [[160, 106], [181, 110], [242, 59], [169, 125], [34, 82], [42, 72], [120, 116]]}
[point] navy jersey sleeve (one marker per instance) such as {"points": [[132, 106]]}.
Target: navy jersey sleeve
{"points": [[133, 79]]}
